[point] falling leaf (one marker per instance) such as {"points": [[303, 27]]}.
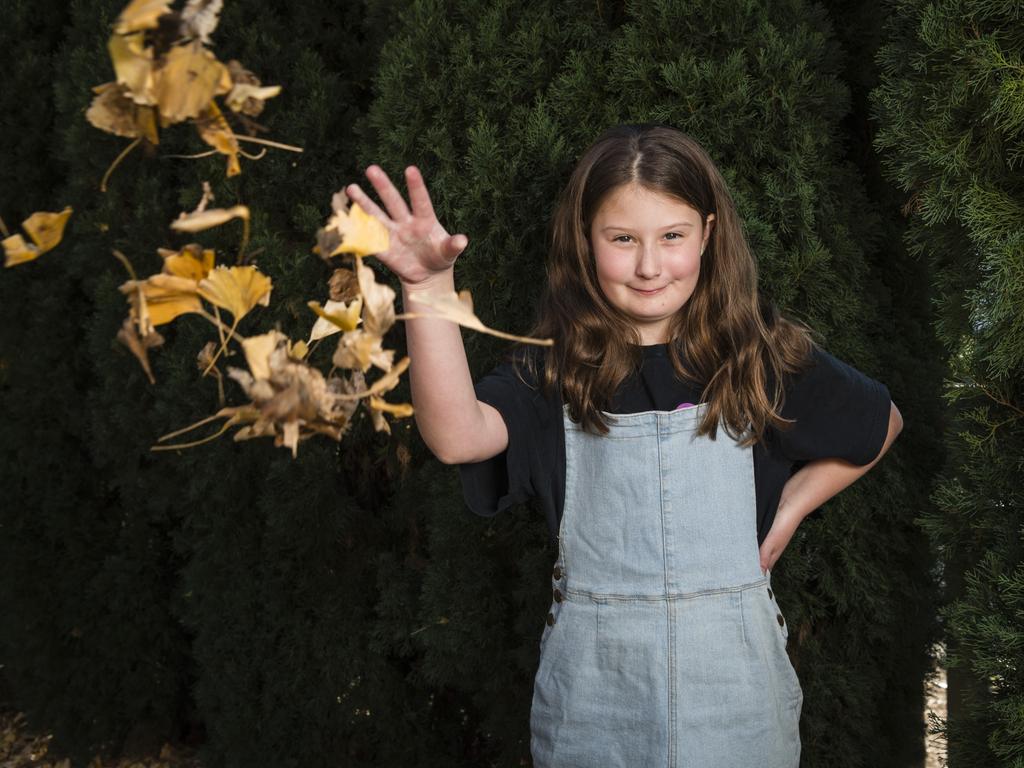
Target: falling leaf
{"points": [[139, 346], [196, 222], [165, 298], [187, 82], [257, 352], [215, 131], [359, 349], [141, 14], [459, 309], [361, 233], [379, 406], [133, 67], [248, 99], [236, 289], [388, 381], [335, 316], [343, 285], [44, 228], [114, 112], [378, 300], [191, 262], [200, 17]]}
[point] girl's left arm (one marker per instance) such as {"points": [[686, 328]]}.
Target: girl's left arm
{"points": [[815, 483]]}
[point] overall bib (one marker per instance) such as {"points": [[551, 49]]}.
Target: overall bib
{"points": [[665, 646]]}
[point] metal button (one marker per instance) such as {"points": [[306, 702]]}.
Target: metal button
{"points": [[557, 573], [781, 620], [558, 596], [551, 619], [769, 591]]}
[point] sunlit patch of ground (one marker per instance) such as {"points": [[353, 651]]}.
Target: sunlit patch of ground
{"points": [[935, 703]]}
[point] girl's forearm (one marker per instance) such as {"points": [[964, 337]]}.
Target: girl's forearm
{"points": [[447, 414], [818, 481]]}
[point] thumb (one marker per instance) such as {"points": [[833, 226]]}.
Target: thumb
{"points": [[456, 245]]}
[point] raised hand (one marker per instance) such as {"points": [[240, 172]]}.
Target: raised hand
{"points": [[420, 250]]}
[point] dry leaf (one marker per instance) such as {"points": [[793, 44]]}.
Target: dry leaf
{"points": [[207, 219], [192, 262], [248, 99], [199, 18], [361, 234], [378, 407], [378, 300], [133, 67], [139, 346], [257, 352], [44, 228], [459, 309], [236, 289], [190, 77], [141, 14], [114, 112], [164, 297], [215, 131], [335, 316], [343, 285], [359, 349]]}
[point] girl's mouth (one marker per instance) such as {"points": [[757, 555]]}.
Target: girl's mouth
{"points": [[648, 293]]}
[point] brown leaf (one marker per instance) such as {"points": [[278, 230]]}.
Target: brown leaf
{"points": [[114, 112], [139, 346], [343, 285], [187, 82]]}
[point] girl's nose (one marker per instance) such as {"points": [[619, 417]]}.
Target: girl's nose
{"points": [[649, 264]]}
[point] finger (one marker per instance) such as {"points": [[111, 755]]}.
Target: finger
{"points": [[392, 198], [356, 195], [418, 195], [454, 246]]}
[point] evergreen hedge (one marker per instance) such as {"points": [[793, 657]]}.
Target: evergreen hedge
{"points": [[346, 608], [951, 103]]}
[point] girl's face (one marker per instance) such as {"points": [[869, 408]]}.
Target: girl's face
{"points": [[647, 250]]}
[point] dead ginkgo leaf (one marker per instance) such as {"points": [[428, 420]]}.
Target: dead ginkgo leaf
{"points": [[207, 219], [236, 289], [459, 309], [335, 316], [45, 229]]}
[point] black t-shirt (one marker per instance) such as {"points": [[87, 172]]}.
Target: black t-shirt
{"points": [[839, 411]]}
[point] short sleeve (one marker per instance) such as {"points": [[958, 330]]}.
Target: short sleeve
{"points": [[504, 480], [839, 411]]}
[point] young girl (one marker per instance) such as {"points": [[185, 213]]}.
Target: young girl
{"points": [[664, 645]]}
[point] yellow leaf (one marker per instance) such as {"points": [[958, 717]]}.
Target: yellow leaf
{"points": [[213, 217], [459, 309], [187, 82], [361, 233], [165, 297], [385, 383], [257, 352], [215, 131], [236, 289], [335, 316], [378, 300], [243, 95], [359, 350], [112, 111], [44, 228], [133, 66], [141, 14], [298, 350], [379, 406], [185, 263]]}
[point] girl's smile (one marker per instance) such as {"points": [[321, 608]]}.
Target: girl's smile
{"points": [[647, 252]]}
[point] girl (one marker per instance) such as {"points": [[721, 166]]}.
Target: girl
{"points": [[664, 645]]}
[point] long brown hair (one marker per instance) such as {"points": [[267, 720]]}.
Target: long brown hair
{"points": [[733, 340]]}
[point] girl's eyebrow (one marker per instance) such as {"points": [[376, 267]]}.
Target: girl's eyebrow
{"points": [[680, 225]]}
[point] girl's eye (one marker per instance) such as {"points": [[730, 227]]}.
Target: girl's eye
{"points": [[674, 235], [618, 238]]}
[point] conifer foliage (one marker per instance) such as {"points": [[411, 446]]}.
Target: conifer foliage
{"points": [[951, 106]]}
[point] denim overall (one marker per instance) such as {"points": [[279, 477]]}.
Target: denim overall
{"points": [[665, 646]]}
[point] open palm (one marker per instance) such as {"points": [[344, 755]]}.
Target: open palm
{"points": [[420, 248]]}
